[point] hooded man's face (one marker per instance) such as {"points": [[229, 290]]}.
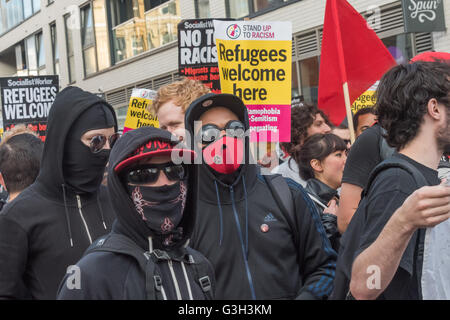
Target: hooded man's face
{"points": [[222, 140], [88, 137], [218, 116], [158, 189]]}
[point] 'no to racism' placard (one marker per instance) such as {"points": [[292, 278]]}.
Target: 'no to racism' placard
{"points": [[255, 64], [27, 100], [197, 55], [138, 114]]}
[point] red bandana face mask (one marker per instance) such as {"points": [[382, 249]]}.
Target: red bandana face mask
{"points": [[224, 155]]}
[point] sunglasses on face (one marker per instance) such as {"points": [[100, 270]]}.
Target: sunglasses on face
{"points": [[149, 173], [211, 132], [98, 142]]}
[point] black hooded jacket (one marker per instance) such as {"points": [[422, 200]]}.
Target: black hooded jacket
{"points": [[48, 226], [116, 276], [241, 229], [322, 194]]}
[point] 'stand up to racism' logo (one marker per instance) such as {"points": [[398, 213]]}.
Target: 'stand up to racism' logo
{"points": [[144, 94], [233, 31], [424, 9]]}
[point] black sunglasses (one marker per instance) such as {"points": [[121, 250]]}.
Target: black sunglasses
{"points": [[98, 142], [149, 173], [211, 132]]}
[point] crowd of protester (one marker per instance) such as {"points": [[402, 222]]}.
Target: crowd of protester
{"points": [[184, 211]]}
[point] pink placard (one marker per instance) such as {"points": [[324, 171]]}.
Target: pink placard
{"points": [[270, 123]]}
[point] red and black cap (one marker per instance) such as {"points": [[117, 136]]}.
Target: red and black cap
{"points": [[155, 147]]}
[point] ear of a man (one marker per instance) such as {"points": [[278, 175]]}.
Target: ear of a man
{"points": [[434, 110]]}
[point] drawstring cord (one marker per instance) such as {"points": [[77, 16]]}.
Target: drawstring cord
{"points": [[67, 215], [101, 210], [246, 217], [220, 214], [150, 245]]}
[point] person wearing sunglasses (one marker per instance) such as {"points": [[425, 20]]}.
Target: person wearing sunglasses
{"points": [[146, 256], [257, 248], [50, 224]]}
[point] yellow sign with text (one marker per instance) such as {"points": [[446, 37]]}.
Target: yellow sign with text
{"points": [[257, 71], [366, 100], [138, 114]]}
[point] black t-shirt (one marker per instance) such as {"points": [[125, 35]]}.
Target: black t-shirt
{"points": [[387, 193], [363, 157]]}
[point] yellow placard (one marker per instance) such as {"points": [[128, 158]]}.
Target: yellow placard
{"points": [[366, 100], [257, 71], [138, 114]]}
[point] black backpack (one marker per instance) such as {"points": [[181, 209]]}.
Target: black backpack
{"points": [[147, 261], [350, 245]]}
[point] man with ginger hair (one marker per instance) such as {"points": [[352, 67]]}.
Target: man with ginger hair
{"points": [[171, 103]]}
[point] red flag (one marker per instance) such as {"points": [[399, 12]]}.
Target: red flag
{"points": [[351, 53]]}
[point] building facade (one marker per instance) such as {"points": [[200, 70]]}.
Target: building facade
{"points": [[113, 46]]}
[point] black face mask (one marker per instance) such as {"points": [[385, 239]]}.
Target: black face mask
{"points": [[160, 207], [83, 170]]}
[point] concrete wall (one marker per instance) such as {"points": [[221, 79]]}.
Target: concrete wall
{"points": [[303, 14]]}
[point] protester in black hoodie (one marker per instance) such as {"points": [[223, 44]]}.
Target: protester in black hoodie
{"points": [[154, 202], [258, 251], [50, 224]]}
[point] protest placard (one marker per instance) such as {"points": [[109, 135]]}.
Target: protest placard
{"points": [[137, 113], [366, 100], [255, 64], [27, 100], [197, 53]]}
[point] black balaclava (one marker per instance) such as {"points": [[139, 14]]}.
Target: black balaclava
{"points": [[161, 207], [83, 170]]}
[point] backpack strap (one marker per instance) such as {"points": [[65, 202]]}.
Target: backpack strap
{"points": [[283, 197], [121, 244], [386, 151], [202, 274], [396, 163], [420, 182]]}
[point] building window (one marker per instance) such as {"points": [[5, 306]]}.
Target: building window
{"points": [[69, 48], [309, 77], [14, 12], [400, 46], [202, 9], [238, 8], [30, 56], [161, 24], [101, 34], [140, 25], [295, 80], [40, 54], [55, 51], [241, 8], [88, 41]]}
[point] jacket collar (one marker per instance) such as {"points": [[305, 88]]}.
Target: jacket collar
{"points": [[321, 190]]}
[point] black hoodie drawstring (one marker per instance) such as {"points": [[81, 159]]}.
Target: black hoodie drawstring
{"points": [[220, 214], [246, 216], [101, 210], [67, 215]]}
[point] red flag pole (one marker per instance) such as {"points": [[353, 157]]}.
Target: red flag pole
{"points": [[341, 62]]}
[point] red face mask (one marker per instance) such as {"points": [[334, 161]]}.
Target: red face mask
{"points": [[224, 155]]}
